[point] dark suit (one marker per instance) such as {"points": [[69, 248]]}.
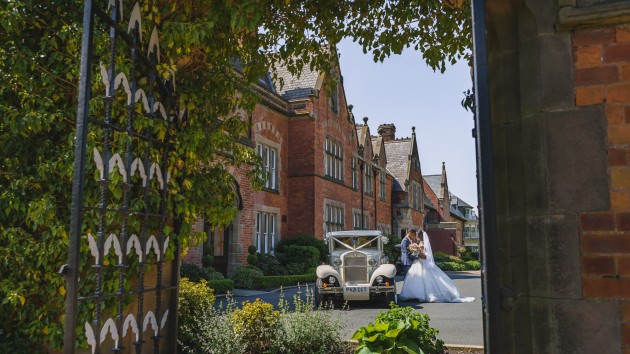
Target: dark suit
{"points": [[406, 258]]}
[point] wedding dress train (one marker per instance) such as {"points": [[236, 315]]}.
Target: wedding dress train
{"points": [[425, 281]]}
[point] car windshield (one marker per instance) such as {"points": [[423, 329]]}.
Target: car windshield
{"points": [[372, 242]]}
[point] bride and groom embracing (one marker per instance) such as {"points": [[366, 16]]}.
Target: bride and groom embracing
{"points": [[424, 280]]}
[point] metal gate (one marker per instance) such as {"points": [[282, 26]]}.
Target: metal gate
{"points": [[122, 273]]}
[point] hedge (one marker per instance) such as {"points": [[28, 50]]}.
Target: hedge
{"points": [[221, 286], [274, 281]]}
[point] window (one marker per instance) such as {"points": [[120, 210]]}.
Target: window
{"points": [[334, 159], [382, 191], [356, 220], [334, 99], [265, 232], [367, 181], [269, 157], [355, 173], [333, 218]]}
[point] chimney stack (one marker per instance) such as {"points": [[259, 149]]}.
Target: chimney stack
{"points": [[387, 131]]}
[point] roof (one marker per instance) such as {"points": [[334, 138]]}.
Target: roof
{"points": [[428, 203], [435, 182], [457, 213], [459, 202], [397, 152], [295, 87], [361, 130]]}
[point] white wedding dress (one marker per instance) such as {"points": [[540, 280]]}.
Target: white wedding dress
{"points": [[426, 282]]}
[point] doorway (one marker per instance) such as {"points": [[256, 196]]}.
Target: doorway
{"points": [[218, 245]]}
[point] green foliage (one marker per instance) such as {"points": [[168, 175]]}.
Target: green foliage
{"points": [[399, 330], [473, 265], [297, 259], [269, 264], [274, 281], [303, 240], [39, 62], [252, 259], [451, 266], [207, 261], [251, 249], [247, 278], [256, 323], [390, 250], [195, 301], [222, 286]]}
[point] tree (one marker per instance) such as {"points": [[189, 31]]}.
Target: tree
{"points": [[200, 41]]}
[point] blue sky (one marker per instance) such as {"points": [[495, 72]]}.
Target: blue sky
{"points": [[405, 91]]}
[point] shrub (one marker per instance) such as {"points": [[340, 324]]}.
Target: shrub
{"points": [[269, 264], [192, 272], [221, 286], [307, 330], [399, 330], [274, 281], [256, 323], [247, 278], [443, 257], [252, 259], [451, 266], [391, 251], [196, 302], [212, 274], [251, 249], [303, 240], [297, 259], [207, 260], [473, 265]]}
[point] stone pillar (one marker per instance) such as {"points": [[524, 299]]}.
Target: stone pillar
{"points": [[550, 166]]}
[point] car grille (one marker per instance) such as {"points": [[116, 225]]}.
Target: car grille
{"points": [[355, 267]]}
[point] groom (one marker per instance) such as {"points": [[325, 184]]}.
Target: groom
{"points": [[406, 258]]}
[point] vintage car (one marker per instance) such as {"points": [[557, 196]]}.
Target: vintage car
{"points": [[358, 270]]}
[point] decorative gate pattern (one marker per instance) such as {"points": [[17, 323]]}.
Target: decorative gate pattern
{"points": [[121, 248]]}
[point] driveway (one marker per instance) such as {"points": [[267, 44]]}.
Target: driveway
{"points": [[458, 323]]}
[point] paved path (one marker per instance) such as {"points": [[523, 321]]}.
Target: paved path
{"points": [[458, 323]]}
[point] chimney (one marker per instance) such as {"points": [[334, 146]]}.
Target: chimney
{"points": [[387, 131]]}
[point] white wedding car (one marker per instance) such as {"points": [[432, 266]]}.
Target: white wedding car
{"points": [[358, 270]]}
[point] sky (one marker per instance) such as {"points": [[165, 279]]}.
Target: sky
{"points": [[404, 91]]}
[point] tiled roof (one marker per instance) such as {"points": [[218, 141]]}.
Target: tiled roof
{"points": [[296, 87], [360, 133], [459, 202], [397, 152], [428, 202], [435, 182], [375, 146], [264, 81], [456, 212]]}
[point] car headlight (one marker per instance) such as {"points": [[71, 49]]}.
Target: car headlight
{"points": [[372, 261], [336, 262], [384, 260], [331, 279], [379, 279]]}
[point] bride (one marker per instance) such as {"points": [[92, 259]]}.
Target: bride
{"points": [[428, 283]]}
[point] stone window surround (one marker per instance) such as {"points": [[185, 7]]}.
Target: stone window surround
{"points": [[264, 141], [266, 209], [366, 218], [334, 203]]}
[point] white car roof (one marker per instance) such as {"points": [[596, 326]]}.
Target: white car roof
{"points": [[353, 233]]}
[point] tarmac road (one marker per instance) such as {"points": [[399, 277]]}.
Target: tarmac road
{"points": [[458, 323]]}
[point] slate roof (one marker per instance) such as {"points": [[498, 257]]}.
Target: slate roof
{"points": [[428, 203], [296, 87], [361, 133], [397, 152], [459, 202], [435, 182], [456, 212], [264, 81]]}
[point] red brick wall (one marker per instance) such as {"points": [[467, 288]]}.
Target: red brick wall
{"points": [[441, 241], [602, 76]]}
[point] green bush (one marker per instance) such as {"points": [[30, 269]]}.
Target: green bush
{"points": [[274, 281], [252, 259], [257, 323], [207, 261], [269, 264], [212, 274], [251, 249], [451, 266], [196, 301], [399, 330], [247, 278], [473, 265], [221, 286], [391, 251], [297, 259], [303, 240], [192, 272], [306, 330]]}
